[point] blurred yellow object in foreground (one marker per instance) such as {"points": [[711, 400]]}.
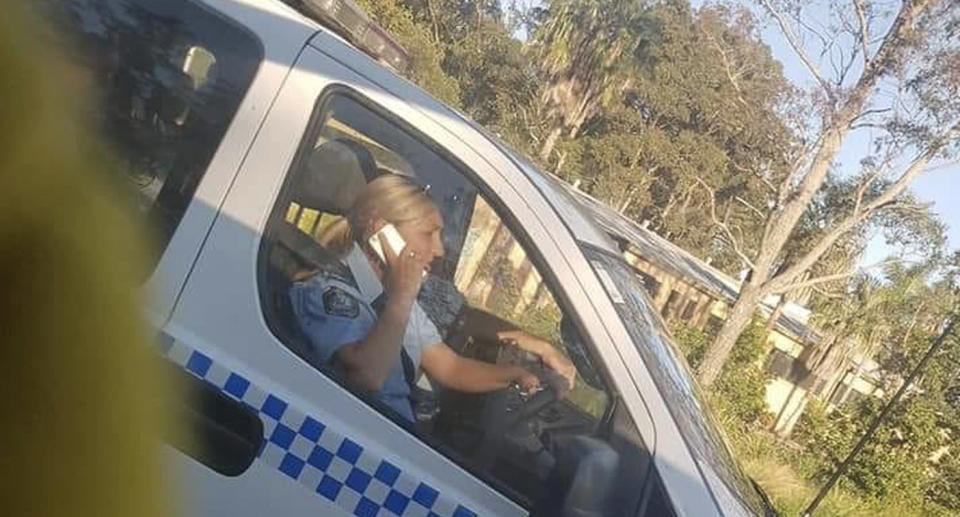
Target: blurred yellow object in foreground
{"points": [[79, 394]]}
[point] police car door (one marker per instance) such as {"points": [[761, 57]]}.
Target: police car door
{"points": [[324, 451]]}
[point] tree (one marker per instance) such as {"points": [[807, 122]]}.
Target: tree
{"points": [[585, 48], [909, 459], [674, 148], [918, 58], [426, 54]]}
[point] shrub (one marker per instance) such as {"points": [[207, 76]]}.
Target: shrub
{"points": [[692, 342]]}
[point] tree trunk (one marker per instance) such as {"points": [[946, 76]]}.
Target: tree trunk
{"points": [[775, 315], [782, 222], [737, 320], [913, 323], [626, 203], [549, 143]]}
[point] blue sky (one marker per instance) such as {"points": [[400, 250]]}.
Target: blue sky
{"points": [[938, 186]]}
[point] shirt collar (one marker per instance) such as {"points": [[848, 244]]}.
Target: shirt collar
{"points": [[367, 281]]}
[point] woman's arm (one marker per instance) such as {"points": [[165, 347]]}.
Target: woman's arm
{"points": [[459, 373], [368, 362], [491, 328]]}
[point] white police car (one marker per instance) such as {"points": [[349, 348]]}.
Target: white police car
{"points": [[244, 126]]}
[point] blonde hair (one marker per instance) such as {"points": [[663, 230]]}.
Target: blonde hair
{"points": [[391, 197]]}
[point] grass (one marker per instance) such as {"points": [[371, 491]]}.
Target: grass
{"points": [[776, 465]]}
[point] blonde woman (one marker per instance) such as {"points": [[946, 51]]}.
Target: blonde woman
{"points": [[374, 331]]}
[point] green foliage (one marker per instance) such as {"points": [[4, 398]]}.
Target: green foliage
{"points": [[895, 466], [945, 488], [585, 50], [692, 341], [498, 87], [738, 395], [742, 383], [425, 54]]}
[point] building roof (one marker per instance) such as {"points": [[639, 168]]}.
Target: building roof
{"points": [[681, 263]]}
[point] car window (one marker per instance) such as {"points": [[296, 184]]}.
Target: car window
{"points": [[166, 79], [672, 375], [495, 274], [486, 299]]}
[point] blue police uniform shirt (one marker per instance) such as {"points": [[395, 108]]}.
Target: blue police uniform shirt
{"points": [[334, 313]]}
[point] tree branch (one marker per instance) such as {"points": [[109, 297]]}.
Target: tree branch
{"points": [[813, 282], [828, 294], [795, 169], [797, 47], [755, 210], [726, 66], [886, 198], [878, 172], [864, 39], [726, 229], [868, 112], [894, 46], [869, 125], [759, 175]]}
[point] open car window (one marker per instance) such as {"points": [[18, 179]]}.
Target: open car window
{"points": [[486, 280]]}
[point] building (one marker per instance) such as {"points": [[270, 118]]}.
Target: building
{"points": [[688, 289]]}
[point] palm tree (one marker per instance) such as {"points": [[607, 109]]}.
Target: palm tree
{"points": [[585, 49], [849, 322]]}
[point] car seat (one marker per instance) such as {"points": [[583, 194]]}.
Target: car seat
{"points": [[328, 179]]}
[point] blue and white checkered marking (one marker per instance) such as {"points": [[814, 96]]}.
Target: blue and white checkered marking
{"points": [[306, 450]]}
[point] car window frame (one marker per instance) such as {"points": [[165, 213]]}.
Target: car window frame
{"points": [[276, 216]]}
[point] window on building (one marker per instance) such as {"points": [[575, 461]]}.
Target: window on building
{"points": [[166, 80], [483, 288], [780, 364], [689, 310], [668, 307]]}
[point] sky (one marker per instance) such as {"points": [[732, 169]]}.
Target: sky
{"points": [[938, 186]]}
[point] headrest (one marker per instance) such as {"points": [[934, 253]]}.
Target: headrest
{"points": [[334, 175]]}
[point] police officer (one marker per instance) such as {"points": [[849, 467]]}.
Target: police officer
{"points": [[375, 332]]}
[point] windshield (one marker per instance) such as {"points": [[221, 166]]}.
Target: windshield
{"points": [[670, 372]]}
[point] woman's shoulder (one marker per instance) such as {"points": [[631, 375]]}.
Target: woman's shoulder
{"points": [[321, 280], [329, 295]]}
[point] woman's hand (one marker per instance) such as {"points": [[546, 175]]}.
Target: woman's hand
{"points": [[560, 364], [547, 353], [528, 381], [404, 271]]}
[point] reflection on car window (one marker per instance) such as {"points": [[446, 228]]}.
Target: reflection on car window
{"points": [[672, 376], [166, 80]]}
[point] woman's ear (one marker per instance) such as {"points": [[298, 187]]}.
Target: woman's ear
{"points": [[375, 225]]}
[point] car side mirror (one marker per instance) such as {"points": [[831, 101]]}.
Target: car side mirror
{"points": [[577, 351]]}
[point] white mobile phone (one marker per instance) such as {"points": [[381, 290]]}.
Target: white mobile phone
{"points": [[393, 238]]}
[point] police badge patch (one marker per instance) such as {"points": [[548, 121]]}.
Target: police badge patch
{"points": [[338, 302]]}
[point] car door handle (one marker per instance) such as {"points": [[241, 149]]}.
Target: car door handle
{"points": [[209, 426]]}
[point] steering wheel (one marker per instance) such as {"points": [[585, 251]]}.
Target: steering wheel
{"points": [[504, 411]]}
